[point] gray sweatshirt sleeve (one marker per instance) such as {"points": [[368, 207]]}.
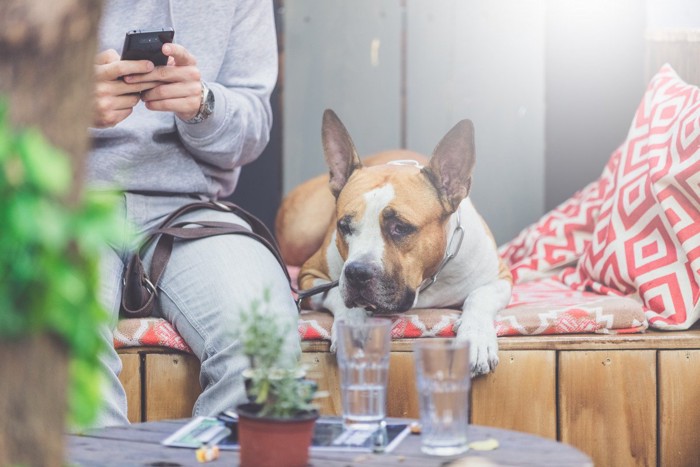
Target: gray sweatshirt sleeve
{"points": [[239, 128]]}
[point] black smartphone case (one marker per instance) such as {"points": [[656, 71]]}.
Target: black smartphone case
{"points": [[147, 45]]}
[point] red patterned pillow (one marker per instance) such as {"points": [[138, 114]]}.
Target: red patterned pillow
{"points": [[561, 236], [647, 237]]}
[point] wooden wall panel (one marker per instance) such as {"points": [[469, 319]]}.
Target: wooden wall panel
{"points": [[402, 399], [607, 405], [402, 394], [679, 407], [520, 395], [130, 378], [172, 385], [322, 368]]}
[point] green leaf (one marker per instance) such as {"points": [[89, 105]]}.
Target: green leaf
{"points": [[48, 169]]}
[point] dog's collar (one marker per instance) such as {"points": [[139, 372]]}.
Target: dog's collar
{"points": [[450, 252]]}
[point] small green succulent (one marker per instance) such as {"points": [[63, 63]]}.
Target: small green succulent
{"points": [[279, 392]]}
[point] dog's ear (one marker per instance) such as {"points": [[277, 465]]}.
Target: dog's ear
{"points": [[339, 150], [451, 165]]}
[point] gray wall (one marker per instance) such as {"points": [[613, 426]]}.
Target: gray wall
{"points": [[551, 86], [595, 80], [484, 61], [329, 63]]}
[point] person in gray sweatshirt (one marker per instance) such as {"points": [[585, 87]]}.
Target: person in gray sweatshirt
{"points": [[165, 135]]}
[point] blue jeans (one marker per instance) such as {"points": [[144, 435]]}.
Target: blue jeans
{"points": [[205, 286]]}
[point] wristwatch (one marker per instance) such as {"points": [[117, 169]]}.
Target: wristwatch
{"points": [[207, 106]]}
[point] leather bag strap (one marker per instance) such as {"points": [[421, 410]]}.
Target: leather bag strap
{"points": [[140, 289]]}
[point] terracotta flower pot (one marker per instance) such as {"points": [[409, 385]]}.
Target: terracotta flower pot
{"points": [[274, 442]]}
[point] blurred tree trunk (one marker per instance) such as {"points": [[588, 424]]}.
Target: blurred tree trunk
{"points": [[47, 52], [33, 382]]}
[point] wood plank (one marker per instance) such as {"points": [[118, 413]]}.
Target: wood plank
{"points": [[402, 394], [679, 407], [678, 47], [322, 368], [647, 340], [402, 399], [607, 405], [146, 349], [520, 395], [172, 385], [130, 378]]}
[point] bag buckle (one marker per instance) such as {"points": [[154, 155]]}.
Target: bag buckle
{"points": [[149, 285]]}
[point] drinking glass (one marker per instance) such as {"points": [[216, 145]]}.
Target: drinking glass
{"points": [[363, 360], [443, 379]]}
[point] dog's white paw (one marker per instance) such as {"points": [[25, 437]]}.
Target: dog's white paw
{"points": [[483, 345], [334, 338]]}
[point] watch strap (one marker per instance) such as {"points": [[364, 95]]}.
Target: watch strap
{"points": [[206, 106]]}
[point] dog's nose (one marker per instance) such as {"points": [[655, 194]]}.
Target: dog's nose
{"points": [[359, 272]]}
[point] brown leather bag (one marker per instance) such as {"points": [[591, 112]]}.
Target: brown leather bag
{"points": [[140, 288]]}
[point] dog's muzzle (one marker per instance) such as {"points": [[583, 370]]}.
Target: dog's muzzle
{"points": [[365, 286]]}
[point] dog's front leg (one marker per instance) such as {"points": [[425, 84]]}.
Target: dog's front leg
{"points": [[334, 303], [476, 324]]}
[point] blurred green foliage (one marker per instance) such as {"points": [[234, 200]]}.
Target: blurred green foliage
{"points": [[49, 258]]}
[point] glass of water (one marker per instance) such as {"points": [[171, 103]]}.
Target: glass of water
{"points": [[363, 359], [443, 379]]}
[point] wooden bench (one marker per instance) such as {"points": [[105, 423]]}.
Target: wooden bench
{"points": [[623, 399]]}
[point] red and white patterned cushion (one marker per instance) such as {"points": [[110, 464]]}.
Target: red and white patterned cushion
{"points": [[538, 307], [149, 332], [646, 241]]}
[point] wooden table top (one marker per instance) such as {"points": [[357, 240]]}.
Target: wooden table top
{"points": [[139, 444]]}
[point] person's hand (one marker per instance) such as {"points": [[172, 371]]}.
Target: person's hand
{"points": [[180, 89], [115, 98]]}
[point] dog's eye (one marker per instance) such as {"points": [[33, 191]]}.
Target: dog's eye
{"points": [[344, 226], [399, 230]]}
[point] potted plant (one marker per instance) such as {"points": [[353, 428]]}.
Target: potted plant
{"points": [[50, 315], [275, 427]]}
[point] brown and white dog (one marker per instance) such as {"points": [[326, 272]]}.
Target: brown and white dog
{"points": [[399, 235]]}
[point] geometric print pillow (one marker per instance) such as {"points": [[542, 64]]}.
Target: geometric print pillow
{"points": [[646, 240], [560, 237]]}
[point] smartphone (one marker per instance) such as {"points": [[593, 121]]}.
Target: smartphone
{"points": [[146, 45]]}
